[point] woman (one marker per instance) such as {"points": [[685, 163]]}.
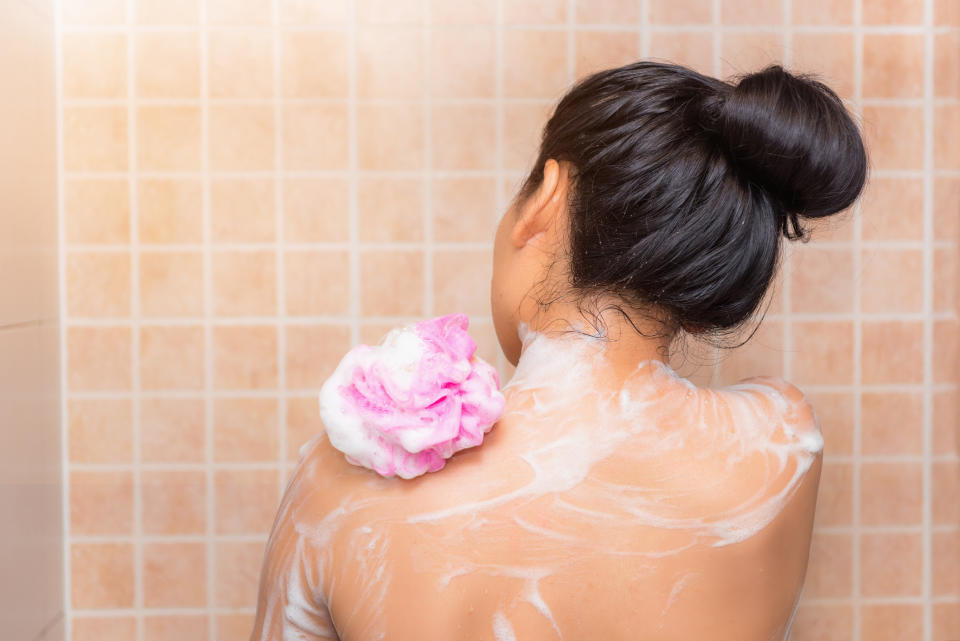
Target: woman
{"points": [[613, 499]]}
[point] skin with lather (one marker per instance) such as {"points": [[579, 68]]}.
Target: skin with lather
{"points": [[613, 499]]}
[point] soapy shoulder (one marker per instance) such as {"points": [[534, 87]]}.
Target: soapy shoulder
{"points": [[792, 403]]}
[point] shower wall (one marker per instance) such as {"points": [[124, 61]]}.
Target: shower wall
{"points": [[31, 523], [249, 187]]}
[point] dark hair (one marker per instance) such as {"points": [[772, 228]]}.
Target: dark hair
{"points": [[683, 184]]}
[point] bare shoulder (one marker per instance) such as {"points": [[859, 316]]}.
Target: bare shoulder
{"points": [[795, 406]]}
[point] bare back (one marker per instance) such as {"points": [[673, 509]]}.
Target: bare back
{"points": [[650, 509]]}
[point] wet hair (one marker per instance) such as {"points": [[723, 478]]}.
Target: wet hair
{"points": [[683, 185]]}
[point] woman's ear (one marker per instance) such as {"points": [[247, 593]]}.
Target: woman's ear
{"points": [[542, 207]]}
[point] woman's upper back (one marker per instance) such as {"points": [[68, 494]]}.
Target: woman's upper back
{"points": [[645, 508]]}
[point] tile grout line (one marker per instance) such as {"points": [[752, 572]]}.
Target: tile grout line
{"points": [[427, 184], [928, 275], [67, 602], [788, 265], [353, 231], [857, 246], [500, 196], [208, 374], [281, 254], [138, 552]]}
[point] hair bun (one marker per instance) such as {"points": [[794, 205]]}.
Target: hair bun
{"points": [[792, 135]]}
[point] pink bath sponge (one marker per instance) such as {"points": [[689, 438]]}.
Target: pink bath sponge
{"points": [[404, 406]]}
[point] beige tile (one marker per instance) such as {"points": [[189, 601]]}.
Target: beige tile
{"points": [[747, 12], [891, 493], [244, 283], [168, 138], [390, 209], [541, 12], [104, 628], [184, 627], [167, 64], [893, 209], [464, 209], [748, 51], [680, 12], [237, 573], [171, 284], [306, 12], [233, 626], [891, 564], [99, 430], [96, 211], [619, 12], [389, 63], [946, 338], [241, 137], [171, 357], [946, 488], [895, 421], [390, 136], [315, 210], [464, 12], [94, 65], [174, 575], [242, 12], [301, 76], [893, 65], [946, 192], [822, 622], [891, 280], [894, 12], [101, 575], [823, 352], [94, 138], [242, 210], [462, 136], [945, 555], [835, 495], [835, 413], [821, 280], [98, 358], [891, 622], [946, 122], [169, 211], [894, 136], [946, 13], [535, 63], [315, 136], [246, 500], [946, 279], [892, 352], [522, 127], [946, 422], [172, 430], [93, 12], [946, 65], [101, 503], [828, 55], [245, 357], [240, 63], [303, 423], [317, 282], [313, 351], [462, 281], [692, 49], [462, 62], [167, 12], [391, 283], [830, 569], [174, 502], [245, 429], [822, 12], [98, 284], [599, 50]]}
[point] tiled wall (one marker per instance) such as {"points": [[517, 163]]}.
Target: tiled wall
{"points": [[31, 506], [251, 186]]}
